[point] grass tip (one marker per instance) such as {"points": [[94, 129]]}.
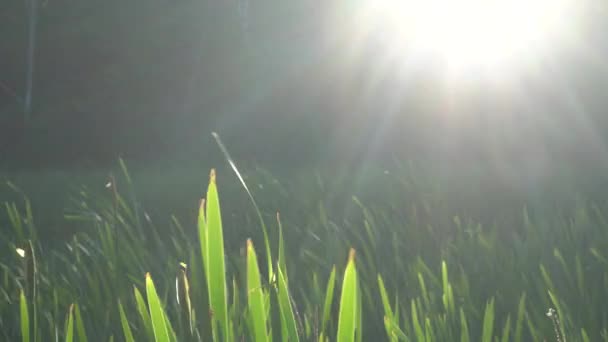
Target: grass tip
{"points": [[351, 255], [212, 176], [249, 244], [201, 210]]}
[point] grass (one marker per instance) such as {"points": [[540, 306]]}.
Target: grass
{"points": [[428, 267], [347, 322]]}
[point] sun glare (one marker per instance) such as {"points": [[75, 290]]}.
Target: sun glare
{"points": [[472, 33]]}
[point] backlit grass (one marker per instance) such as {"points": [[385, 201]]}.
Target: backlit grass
{"points": [[423, 271]]}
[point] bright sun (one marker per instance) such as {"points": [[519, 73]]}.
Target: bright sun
{"points": [[472, 33]]}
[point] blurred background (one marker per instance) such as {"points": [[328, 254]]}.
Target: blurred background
{"points": [[290, 83]]}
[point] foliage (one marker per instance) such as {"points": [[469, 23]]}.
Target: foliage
{"points": [[422, 273]]}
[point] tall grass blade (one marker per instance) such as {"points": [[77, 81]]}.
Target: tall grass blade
{"points": [[559, 309], [69, 330], [282, 260], [424, 291], [464, 327], [428, 329], [255, 296], [143, 313], [80, 330], [329, 298], [388, 312], [584, 336], [506, 330], [447, 297], [580, 276], [347, 321], [25, 318], [232, 164], [216, 273], [394, 332], [170, 330], [488, 322], [157, 315], [182, 287], [202, 234], [286, 308], [420, 336], [31, 273], [125, 324], [359, 312], [519, 324]]}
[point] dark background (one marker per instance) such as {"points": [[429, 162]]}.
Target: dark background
{"points": [[151, 79]]}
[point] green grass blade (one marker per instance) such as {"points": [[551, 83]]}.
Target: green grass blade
{"points": [[202, 234], [271, 274], [25, 318], [286, 308], [416, 323], [125, 171], [546, 277], [255, 296], [143, 313], [580, 275], [282, 260], [125, 324], [447, 297], [183, 297], [519, 324], [584, 336], [347, 320], [488, 322], [559, 309], [535, 333], [32, 284], [393, 330], [329, 298], [428, 329], [232, 164], [235, 305], [388, 312], [69, 330], [172, 335], [216, 274], [359, 318], [157, 314], [464, 327], [424, 291], [80, 331], [506, 330]]}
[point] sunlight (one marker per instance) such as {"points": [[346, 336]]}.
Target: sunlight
{"points": [[472, 33]]}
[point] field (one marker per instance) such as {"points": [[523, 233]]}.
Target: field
{"points": [[396, 252]]}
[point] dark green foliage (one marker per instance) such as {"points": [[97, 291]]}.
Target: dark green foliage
{"points": [[424, 270]]}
